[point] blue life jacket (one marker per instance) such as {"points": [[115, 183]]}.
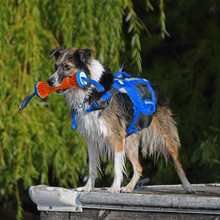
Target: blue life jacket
{"points": [[136, 89]]}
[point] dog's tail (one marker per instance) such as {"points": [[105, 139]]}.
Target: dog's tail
{"points": [[161, 136]]}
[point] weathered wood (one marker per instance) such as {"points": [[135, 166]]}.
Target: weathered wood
{"points": [[95, 214], [151, 202], [163, 201], [55, 198], [201, 189], [54, 216]]}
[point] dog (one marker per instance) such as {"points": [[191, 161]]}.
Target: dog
{"points": [[106, 128]]}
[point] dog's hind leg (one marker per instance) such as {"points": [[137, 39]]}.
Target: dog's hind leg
{"points": [[93, 158], [131, 150], [174, 154], [164, 129], [186, 185]]}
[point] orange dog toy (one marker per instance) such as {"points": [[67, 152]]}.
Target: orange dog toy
{"points": [[79, 79], [43, 89]]}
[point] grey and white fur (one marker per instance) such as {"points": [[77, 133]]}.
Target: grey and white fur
{"points": [[107, 127]]}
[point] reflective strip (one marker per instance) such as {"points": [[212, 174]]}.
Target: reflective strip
{"points": [[123, 90], [132, 79], [146, 80], [147, 102], [121, 82]]}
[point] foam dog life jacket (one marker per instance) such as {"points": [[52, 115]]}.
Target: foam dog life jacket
{"points": [[138, 90]]}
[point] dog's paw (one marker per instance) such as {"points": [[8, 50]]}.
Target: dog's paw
{"points": [[189, 189], [126, 189], [113, 190], [84, 189]]}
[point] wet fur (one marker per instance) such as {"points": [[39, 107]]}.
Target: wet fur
{"points": [[107, 127]]}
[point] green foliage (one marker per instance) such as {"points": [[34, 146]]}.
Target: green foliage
{"points": [[37, 145], [187, 68], [134, 27], [36, 139], [207, 155]]}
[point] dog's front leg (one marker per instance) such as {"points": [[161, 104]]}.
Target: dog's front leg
{"points": [[118, 171], [92, 151]]}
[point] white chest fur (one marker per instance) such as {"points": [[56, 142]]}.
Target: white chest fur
{"points": [[91, 125]]}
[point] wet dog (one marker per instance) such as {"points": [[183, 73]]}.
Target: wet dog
{"points": [[106, 128]]}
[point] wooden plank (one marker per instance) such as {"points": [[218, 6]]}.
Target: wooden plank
{"points": [[54, 215], [94, 214], [163, 201], [167, 202], [201, 190]]}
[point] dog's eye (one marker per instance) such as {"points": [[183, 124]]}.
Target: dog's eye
{"points": [[66, 67]]}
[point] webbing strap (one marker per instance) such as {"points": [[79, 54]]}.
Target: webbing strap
{"points": [[104, 101], [153, 98], [122, 73], [130, 129], [73, 119]]}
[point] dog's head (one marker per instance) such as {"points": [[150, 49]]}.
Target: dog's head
{"points": [[68, 62]]}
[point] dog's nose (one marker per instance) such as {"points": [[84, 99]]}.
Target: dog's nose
{"points": [[50, 82]]}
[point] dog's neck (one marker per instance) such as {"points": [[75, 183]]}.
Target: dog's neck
{"points": [[98, 72], [96, 69], [106, 80]]}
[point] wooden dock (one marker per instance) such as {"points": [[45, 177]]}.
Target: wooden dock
{"points": [[151, 202]]}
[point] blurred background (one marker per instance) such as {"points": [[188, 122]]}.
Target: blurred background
{"points": [[175, 44]]}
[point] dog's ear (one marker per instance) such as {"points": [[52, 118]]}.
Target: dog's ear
{"points": [[88, 52], [56, 52], [84, 54]]}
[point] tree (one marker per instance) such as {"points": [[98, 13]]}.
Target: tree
{"points": [[186, 66], [37, 145]]}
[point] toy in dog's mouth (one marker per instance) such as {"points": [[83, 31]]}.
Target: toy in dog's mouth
{"points": [[79, 79], [43, 89], [62, 91]]}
